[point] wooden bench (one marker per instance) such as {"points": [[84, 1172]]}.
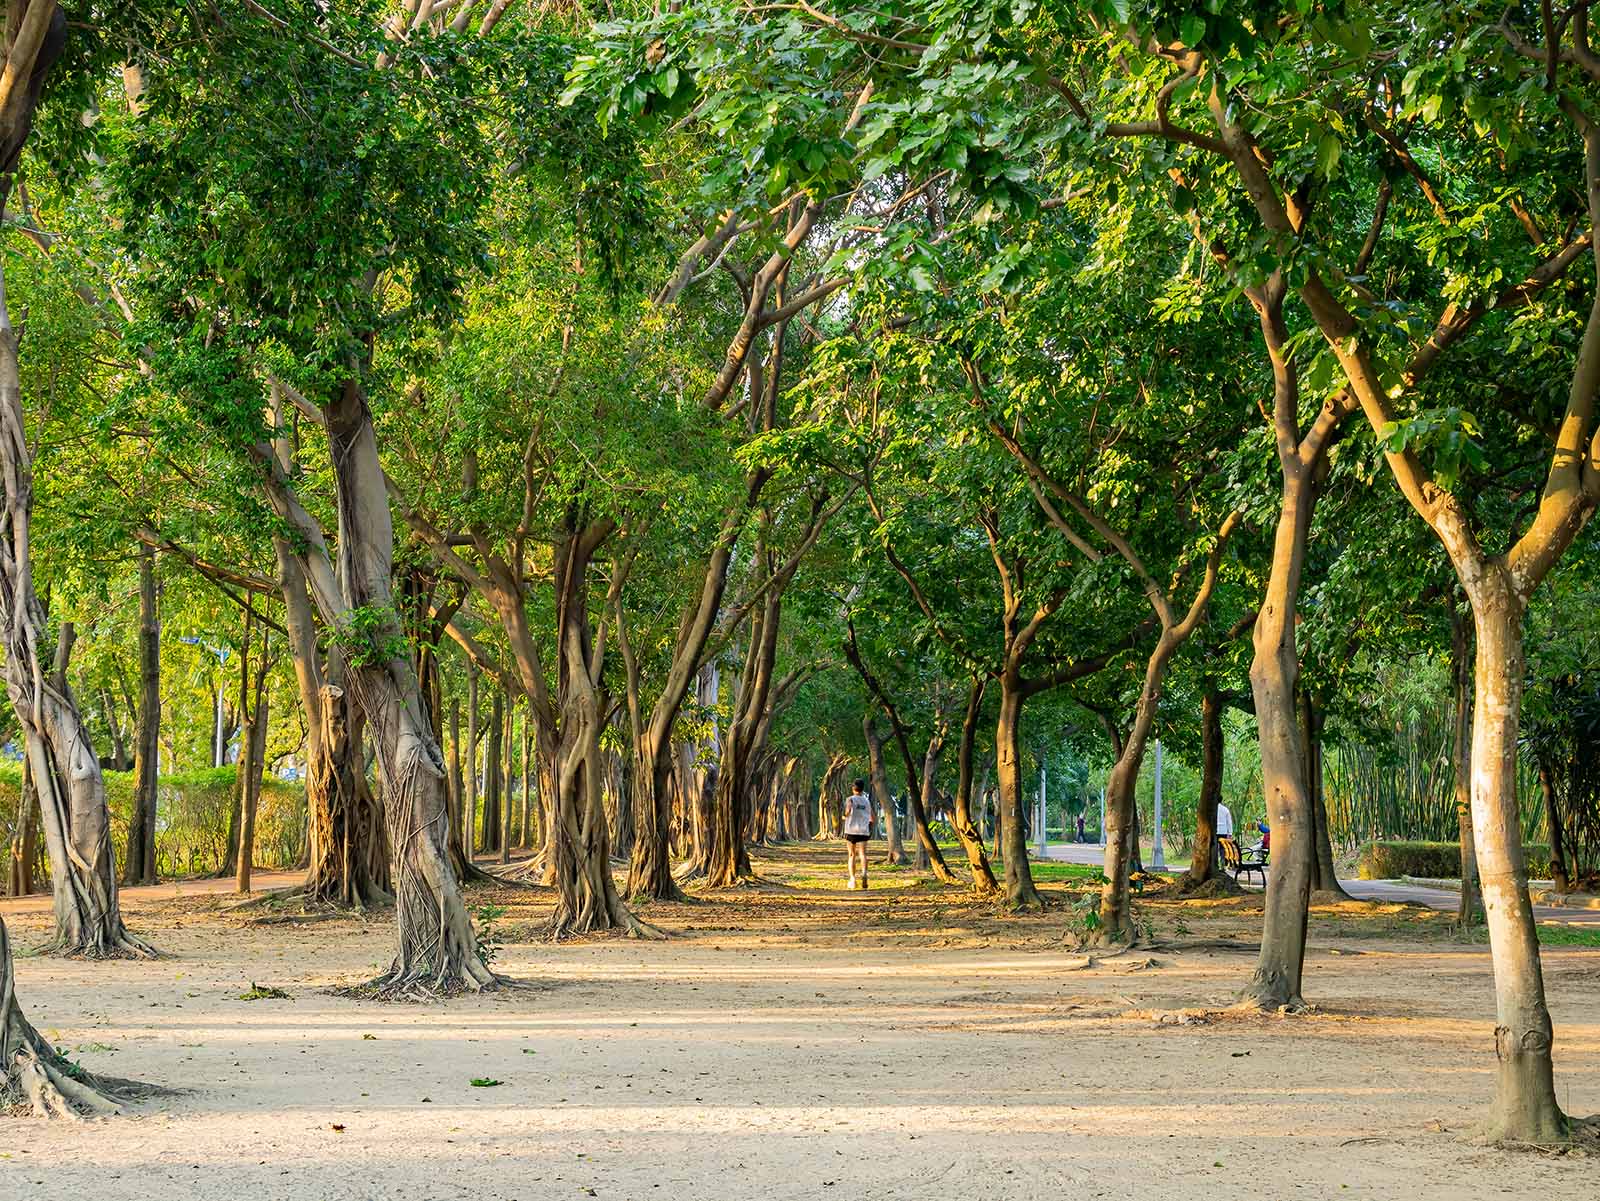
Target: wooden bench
{"points": [[1241, 862]]}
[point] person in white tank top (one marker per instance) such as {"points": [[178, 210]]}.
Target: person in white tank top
{"points": [[857, 829]]}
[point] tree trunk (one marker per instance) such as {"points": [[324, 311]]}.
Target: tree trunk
{"points": [[25, 841], [66, 774], [1559, 878], [527, 780], [1274, 679], [470, 834], [966, 828], [1020, 890], [436, 951], [1203, 863], [494, 745], [927, 790], [139, 865], [35, 1077], [1122, 817], [730, 859], [1470, 909], [1324, 876], [878, 781], [1525, 1107], [586, 894], [507, 768]]}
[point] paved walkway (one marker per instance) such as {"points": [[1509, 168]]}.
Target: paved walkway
{"points": [[1393, 891]]}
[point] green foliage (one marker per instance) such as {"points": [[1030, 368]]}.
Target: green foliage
{"points": [[1425, 860], [371, 635], [193, 811], [484, 935], [264, 992]]}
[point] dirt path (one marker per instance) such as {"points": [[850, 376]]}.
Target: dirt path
{"points": [[791, 1042]]}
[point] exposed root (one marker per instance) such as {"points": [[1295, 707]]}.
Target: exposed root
{"points": [[119, 945], [308, 904], [531, 874], [38, 1080], [1210, 889], [1266, 1002], [420, 986], [1582, 1140]]}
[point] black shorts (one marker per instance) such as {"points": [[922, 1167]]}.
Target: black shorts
{"points": [[856, 837]]}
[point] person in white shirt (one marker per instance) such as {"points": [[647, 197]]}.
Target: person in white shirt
{"points": [[1224, 830], [857, 829]]}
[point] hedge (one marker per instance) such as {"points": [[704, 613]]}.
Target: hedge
{"points": [[192, 812], [1429, 860]]}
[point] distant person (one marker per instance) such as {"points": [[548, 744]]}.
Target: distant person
{"points": [[857, 829], [1083, 835], [1266, 836], [1224, 830]]}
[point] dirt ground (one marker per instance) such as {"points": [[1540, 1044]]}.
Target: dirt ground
{"points": [[793, 1040]]}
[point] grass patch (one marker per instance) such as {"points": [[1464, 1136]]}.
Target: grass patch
{"points": [[1057, 873], [1552, 935]]}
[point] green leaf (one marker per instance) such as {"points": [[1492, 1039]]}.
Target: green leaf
{"points": [[1328, 151]]}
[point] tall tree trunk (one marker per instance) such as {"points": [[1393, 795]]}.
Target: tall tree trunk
{"points": [[244, 823], [470, 835], [507, 770], [1020, 890], [586, 894], [1470, 909], [1122, 818], [25, 841], [140, 863], [65, 771], [1203, 863], [527, 781], [348, 851], [1324, 876], [1525, 1105], [259, 724], [493, 747], [729, 862], [966, 828], [879, 782], [927, 790], [1559, 877], [436, 951], [1274, 679]]}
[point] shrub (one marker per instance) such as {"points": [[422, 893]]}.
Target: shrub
{"points": [[192, 813], [1429, 860]]}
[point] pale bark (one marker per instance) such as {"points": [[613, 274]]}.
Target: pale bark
{"points": [[436, 953]]}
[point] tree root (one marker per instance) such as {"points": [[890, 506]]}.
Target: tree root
{"points": [[120, 945], [313, 905], [420, 986], [39, 1080], [1201, 944], [522, 875]]}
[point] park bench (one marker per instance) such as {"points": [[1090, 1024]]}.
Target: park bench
{"points": [[1241, 862]]}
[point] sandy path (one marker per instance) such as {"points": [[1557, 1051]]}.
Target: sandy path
{"points": [[790, 1061]]}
